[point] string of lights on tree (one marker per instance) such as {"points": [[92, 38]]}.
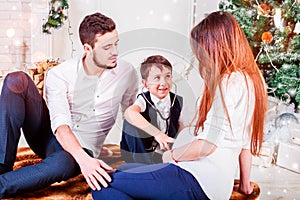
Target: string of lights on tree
{"points": [[272, 28]]}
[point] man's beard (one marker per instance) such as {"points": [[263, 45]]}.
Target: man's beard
{"points": [[102, 66]]}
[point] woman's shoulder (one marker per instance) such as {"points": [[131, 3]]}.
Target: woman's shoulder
{"points": [[236, 87], [236, 76], [236, 80]]}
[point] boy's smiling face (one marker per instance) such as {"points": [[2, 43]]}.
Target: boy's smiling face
{"points": [[159, 81]]}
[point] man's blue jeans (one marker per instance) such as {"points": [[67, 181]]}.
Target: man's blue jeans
{"points": [[21, 106]]}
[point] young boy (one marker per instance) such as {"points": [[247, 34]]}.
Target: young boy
{"points": [[152, 122]]}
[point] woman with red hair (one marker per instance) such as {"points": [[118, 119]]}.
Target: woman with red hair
{"points": [[229, 125]]}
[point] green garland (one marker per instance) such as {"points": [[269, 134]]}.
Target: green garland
{"points": [[56, 15]]}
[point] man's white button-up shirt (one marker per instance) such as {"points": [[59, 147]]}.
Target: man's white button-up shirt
{"points": [[89, 104]]}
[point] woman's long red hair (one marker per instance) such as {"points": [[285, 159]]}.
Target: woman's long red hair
{"points": [[221, 48]]}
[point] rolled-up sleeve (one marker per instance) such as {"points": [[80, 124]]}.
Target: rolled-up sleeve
{"points": [[56, 97]]}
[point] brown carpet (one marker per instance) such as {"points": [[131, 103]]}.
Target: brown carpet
{"points": [[77, 189]]}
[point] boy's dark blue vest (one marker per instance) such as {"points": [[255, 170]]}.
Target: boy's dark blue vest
{"points": [[136, 140], [151, 116]]}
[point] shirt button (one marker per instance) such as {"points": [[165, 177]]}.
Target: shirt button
{"points": [[94, 109], [97, 96]]}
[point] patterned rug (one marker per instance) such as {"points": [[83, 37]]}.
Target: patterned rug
{"points": [[73, 189], [77, 189]]}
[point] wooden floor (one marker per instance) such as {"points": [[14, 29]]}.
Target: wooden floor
{"points": [[276, 183]]}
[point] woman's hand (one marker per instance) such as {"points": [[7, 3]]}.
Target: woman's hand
{"points": [[190, 151], [163, 140], [167, 157], [244, 188]]}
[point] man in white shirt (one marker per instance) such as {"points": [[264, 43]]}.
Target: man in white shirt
{"points": [[93, 89], [83, 96]]}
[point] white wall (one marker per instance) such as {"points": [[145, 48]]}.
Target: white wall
{"points": [[66, 39], [177, 16], [204, 7], [15, 41]]}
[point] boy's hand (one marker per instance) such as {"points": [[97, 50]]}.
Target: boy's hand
{"points": [[164, 140]]}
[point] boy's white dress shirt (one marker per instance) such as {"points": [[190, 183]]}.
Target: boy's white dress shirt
{"points": [[163, 105]]}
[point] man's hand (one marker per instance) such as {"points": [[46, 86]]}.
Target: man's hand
{"points": [[164, 140], [95, 172]]}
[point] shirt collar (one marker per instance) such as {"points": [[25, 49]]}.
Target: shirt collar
{"points": [[165, 101]]}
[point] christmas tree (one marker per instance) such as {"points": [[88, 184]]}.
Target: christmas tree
{"points": [[272, 28]]}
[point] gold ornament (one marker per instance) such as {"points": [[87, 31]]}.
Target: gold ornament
{"points": [[263, 9], [289, 30], [267, 37]]}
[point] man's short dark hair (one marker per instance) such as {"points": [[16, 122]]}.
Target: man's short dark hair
{"points": [[94, 24]]}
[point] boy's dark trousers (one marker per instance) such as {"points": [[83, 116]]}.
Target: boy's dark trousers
{"points": [[136, 146]]}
